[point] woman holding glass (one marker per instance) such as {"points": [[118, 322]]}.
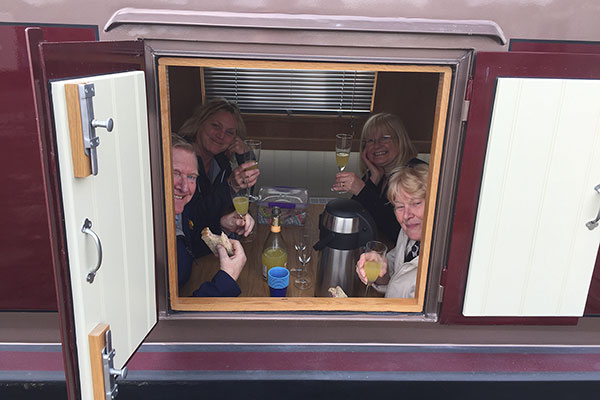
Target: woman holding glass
{"points": [[216, 129], [398, 274], [385, 145]]}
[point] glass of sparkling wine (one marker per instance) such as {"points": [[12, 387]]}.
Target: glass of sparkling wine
{"points": [[240, 201], [375, 253], [343, 145]]}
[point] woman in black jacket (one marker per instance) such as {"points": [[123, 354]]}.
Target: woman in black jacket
{"points": [[216, 129], [385, 145]]}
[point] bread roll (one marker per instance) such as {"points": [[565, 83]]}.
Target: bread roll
{"points": [[213, 240]]}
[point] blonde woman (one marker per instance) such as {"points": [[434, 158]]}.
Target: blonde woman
{"points": [[385, 145], [215, 130], [398, 276]]}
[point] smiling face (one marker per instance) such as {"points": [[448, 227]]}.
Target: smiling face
{"points": [[382, 148], [216, 134], [409, 213], [185, 172]]}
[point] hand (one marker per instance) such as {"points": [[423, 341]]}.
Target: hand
{"points": [[232, 222], [360, 268], [241, 177], [376, 172], [232, 265], [348, 182], [237, 146]]}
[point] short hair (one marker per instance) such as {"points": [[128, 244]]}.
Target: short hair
{"points": [[177, 142], [190, 127], [411, 179], [393, 126]]}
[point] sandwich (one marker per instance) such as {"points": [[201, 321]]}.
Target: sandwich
{"points": [[336, 292], [213, 240]]}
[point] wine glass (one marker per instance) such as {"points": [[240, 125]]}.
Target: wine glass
{"points": [[241, 201], [301, 241], [343, 145], [252, 153], [303, 281], [374, 256]]}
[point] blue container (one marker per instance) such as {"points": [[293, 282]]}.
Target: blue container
{"points": [[278, 279]]}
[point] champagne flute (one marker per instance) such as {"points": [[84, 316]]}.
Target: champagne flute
{"points": [[241, 201], [252, 153], [301, 242], [375, 253], [343, 146], [303, 282], [299, 245]]}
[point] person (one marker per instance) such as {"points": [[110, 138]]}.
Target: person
{"points": [[385, 145], [216, 130], [185, 173], [398, 275]]}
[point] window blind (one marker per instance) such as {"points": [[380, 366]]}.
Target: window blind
{"points": [[292, 91]]}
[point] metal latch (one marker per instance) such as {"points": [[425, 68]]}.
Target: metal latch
{"points": [[110, 373], [89, 124]]}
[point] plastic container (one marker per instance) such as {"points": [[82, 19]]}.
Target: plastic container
{"points": [[292, 201]]}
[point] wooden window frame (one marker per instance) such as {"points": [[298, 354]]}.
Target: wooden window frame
{"points": [[252, 304]]}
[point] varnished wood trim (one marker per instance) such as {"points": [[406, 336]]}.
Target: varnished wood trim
{"points": [[97, 341], [224, 63], [303, 303], [163, 90], [297, 304], [81, 161]]}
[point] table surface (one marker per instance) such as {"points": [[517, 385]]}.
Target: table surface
{"points": [[251, 279]]}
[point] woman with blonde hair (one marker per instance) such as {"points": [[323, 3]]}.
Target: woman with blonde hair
{"points": [[385, 145], [216, 130], [407, 191]]}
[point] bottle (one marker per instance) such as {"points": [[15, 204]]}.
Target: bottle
{"points": [[274, 252]]}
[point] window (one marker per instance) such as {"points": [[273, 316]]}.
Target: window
{"points": [[418, 93]]}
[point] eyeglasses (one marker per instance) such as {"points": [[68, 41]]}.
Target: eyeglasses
{"points": [[385, 139]]}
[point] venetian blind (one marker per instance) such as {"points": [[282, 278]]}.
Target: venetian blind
{"points": [[292, 91]]}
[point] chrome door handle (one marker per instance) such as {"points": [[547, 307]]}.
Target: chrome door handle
{"points": [[593, 224], [87, 228]]}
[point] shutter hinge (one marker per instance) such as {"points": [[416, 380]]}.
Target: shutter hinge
{"points": [[465, 111], [467, 102]]}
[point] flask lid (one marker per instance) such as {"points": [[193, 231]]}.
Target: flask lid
{"points": [[342, 216]]}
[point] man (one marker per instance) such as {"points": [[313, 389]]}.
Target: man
{"points": [[185, 172]]}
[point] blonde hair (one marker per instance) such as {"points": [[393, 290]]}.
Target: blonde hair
{"points": [[411, 179], [393, 126], [190, 127]]}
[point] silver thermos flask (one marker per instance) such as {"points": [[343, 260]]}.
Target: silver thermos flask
{"points": [[344, 227]]}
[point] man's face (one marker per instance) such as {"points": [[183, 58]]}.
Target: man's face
{"points": [[185, 172], [409, 213]]}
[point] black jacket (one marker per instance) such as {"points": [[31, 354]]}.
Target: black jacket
{"points": [[374, 200]]}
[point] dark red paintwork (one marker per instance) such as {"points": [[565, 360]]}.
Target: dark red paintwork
{"points": [[554, 46], [417, 359], [27, 279], [490, 66]]}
